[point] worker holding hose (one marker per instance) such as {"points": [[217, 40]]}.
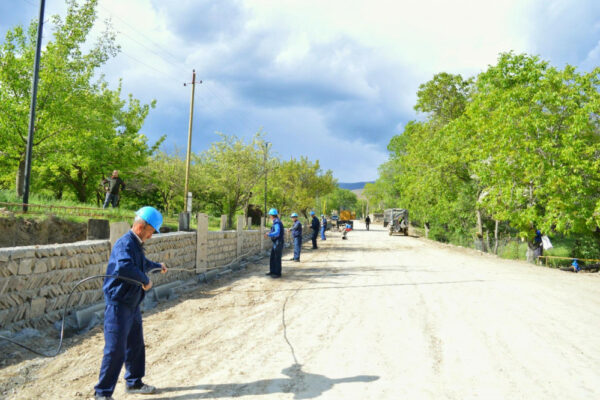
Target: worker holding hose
{"points": [[123, 337], [277, 238]]}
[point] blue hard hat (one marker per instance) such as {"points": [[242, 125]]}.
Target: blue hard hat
{"points": [[312, 213], [273, 211], [152, 216], [294, 215]]}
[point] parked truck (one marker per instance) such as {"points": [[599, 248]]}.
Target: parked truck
{"points": [[399, 221]]}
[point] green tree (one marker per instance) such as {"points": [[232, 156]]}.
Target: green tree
{"points": [[341, 199], [231, 169], [82, 128], [534, 131], [298, 183]]}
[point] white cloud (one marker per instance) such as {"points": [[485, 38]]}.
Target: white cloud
{"points": [[323, 78]]}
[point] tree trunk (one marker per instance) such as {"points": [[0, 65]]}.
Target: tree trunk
{"points": [[20, 179], [480, 230], [496, 237], [426, 225]]}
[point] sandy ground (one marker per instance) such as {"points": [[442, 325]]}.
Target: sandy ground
{"points": [[371, 317]]}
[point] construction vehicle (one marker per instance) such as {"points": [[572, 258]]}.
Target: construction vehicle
{"points": [[346, 217], [399, 221]]}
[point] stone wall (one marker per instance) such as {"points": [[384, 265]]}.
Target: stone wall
{"points": [[222, 248], [178, 250], [250, 241], [36, 280]]}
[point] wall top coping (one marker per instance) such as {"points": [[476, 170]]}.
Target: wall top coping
{"points": [[83, 243], [170, 235]]}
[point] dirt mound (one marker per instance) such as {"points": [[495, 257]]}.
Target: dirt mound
{"points": [[26, 232]]}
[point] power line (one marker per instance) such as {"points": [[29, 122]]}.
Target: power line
{"points": [[151, 67], [135, 30]]}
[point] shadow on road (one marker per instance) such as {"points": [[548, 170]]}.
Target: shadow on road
{"points": [[304, 385]]}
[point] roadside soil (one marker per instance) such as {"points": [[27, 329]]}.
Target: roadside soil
{"points": [[370, 317], [16, 231]]}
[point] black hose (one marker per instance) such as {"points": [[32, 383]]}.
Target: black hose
{"points": [[62, 325]]}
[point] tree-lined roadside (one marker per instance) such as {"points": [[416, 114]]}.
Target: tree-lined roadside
{"points": [[84, 130], [513, 150]]}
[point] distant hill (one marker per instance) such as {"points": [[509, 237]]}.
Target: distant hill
{"points": [[352, 185]]}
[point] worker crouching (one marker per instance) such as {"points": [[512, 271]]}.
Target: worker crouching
{"points": [[123, 336]]}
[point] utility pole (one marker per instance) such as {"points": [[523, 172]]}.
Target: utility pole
{"points": [[265, 167], [189, 144], [34, 85]]}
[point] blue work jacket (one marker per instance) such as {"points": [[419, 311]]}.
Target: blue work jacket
{"points": [[276, 233], [315, 224], [127, 259], [297, 229], [324, 223]]}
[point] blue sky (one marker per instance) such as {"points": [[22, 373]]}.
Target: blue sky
{"points": [[332, 80]]}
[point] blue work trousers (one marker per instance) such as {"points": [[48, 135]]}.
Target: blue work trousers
{"points": [[297, 247], [313, 237], [111, 199], [323, 233], [275, 261], [123, 343]]}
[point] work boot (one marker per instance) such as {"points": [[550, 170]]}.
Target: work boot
{"points": [[98, 397], [142, 389]]}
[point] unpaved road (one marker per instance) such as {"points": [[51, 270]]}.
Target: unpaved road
{"points": [[371, 317]]}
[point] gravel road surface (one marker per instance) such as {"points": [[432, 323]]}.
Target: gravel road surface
{"points": [[371, 317]]}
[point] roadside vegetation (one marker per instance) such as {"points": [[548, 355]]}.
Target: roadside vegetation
{"points": [[500, 155]]}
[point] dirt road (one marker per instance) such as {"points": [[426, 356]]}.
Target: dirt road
{"points": [[371, 317]]}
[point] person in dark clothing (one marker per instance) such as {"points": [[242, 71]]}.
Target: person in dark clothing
{"points": [[367, 222], [112, 186], [315, 226], [296, 231], [277, 236], [123, 337]]}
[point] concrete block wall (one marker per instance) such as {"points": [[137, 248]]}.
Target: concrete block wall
{"points": [[36, 280], [176, 249], [251, 241], [222, 248]]}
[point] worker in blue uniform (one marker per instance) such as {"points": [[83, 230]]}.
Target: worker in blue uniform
{"points": [[296, 231], [123, 337], [323, 227], [315, 225], [276, 235]]}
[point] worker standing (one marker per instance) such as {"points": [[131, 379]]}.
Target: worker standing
{"points": [[315, 226], [323, 227], [276, 236], [367, 222], [113, 186], [296, 231], [123, 337]]}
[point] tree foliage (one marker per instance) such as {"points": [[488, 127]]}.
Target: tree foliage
{"points": [[518, 145], [83, 129]]}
